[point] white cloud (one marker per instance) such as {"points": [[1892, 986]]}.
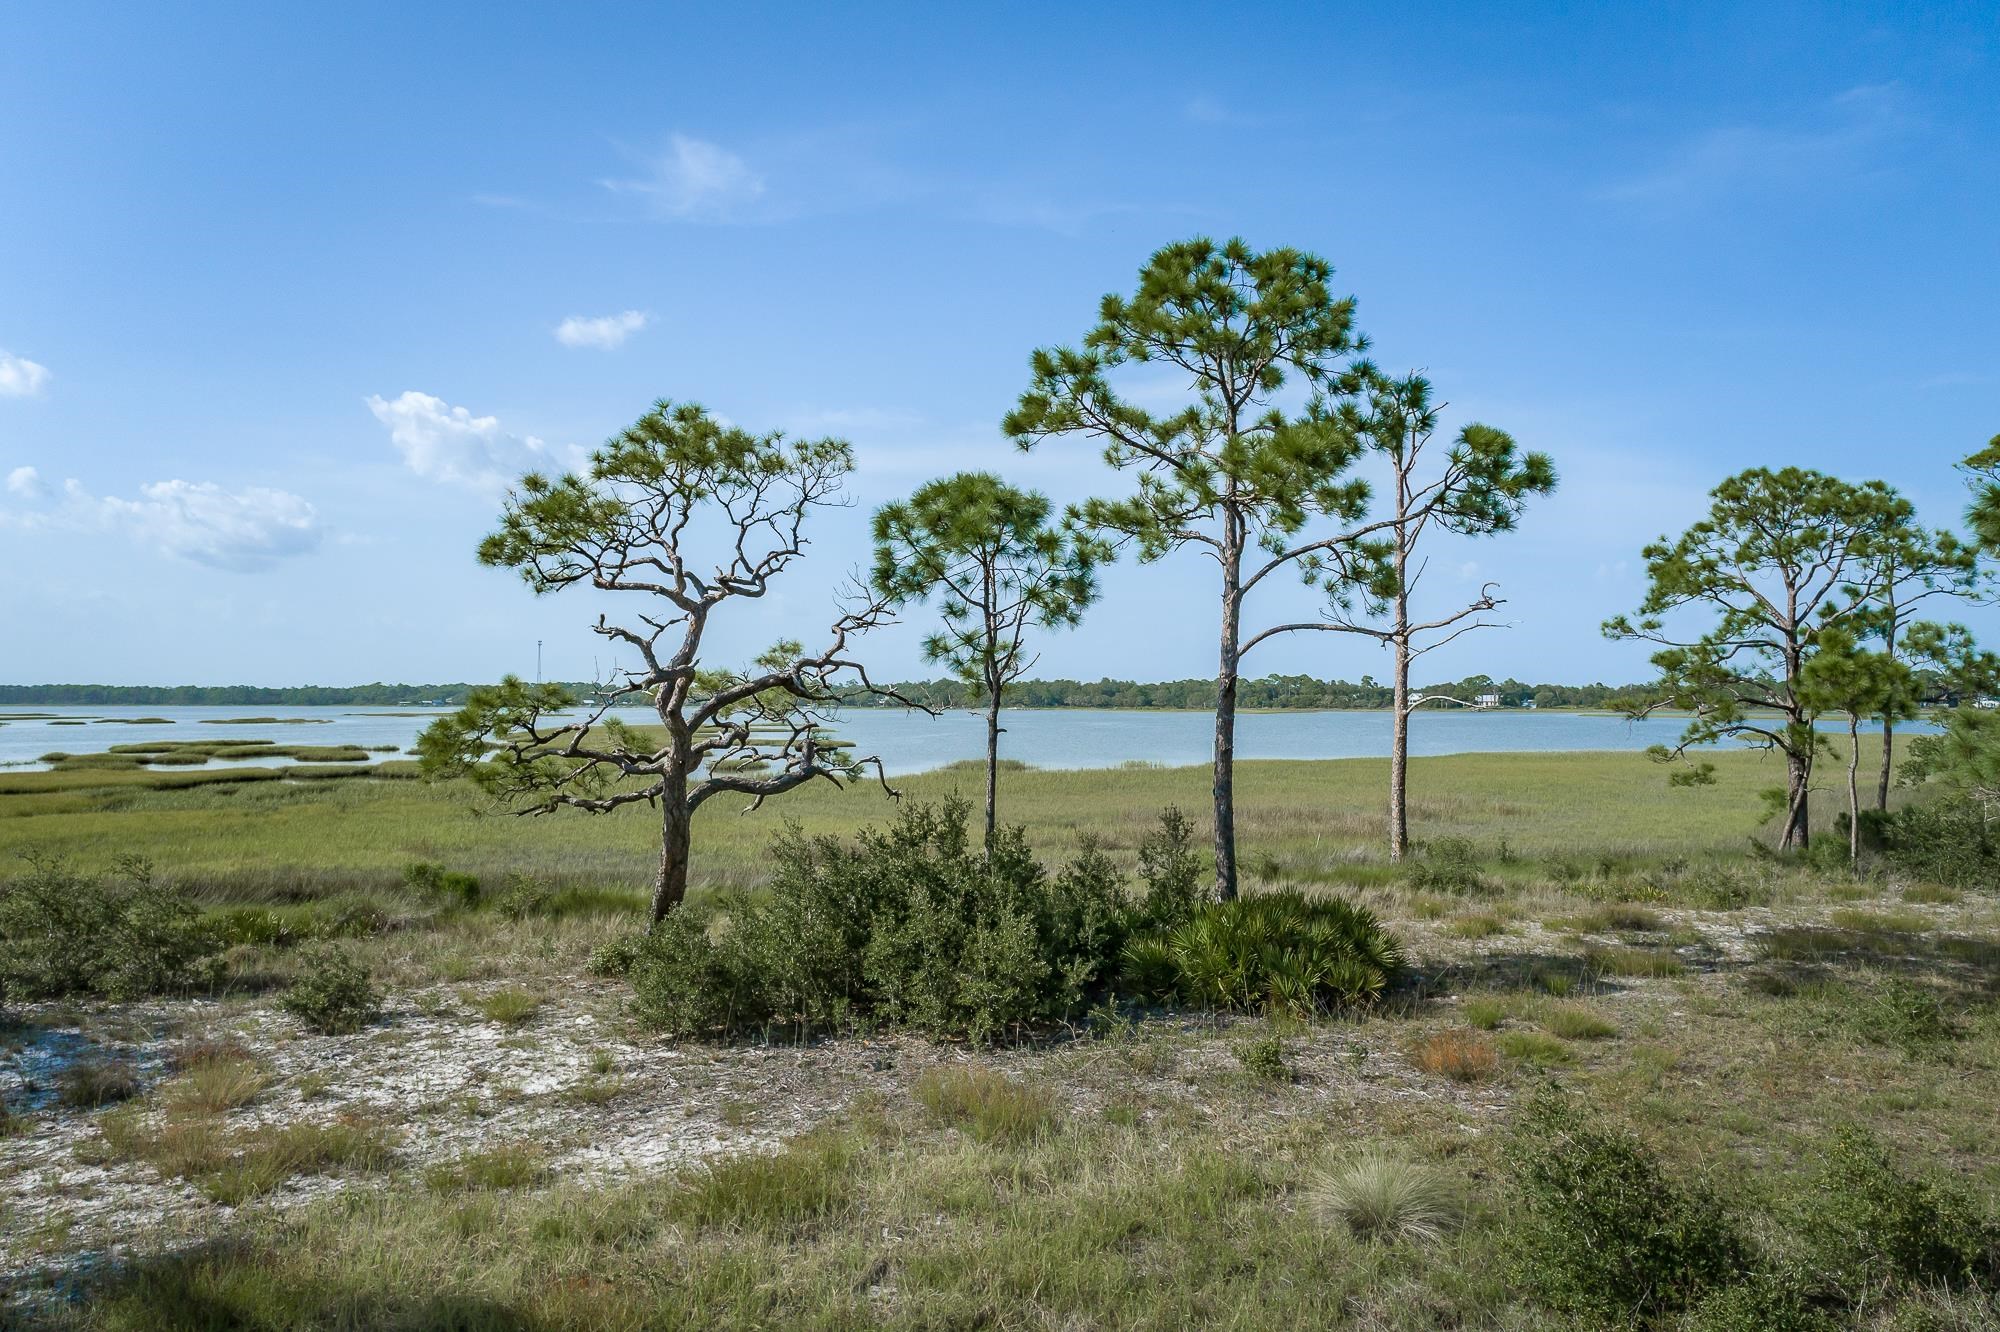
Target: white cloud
{"points": [[239, 530], [441, 442], [605, 331], [694, 180], [242, 531], [21, 377], [1844, 140]]}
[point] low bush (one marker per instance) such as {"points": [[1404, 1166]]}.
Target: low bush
{"points": [[442, 886], [1872, 1221], [1950, 841], [912, 924], [334, 993], [1263, 1058], [1282, 951], [1448, 865], [615, 957], [1603, 1231], [119, 937]]}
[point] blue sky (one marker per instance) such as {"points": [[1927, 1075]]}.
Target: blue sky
{"points": [[284, 294]]}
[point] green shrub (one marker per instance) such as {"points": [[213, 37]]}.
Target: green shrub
{"points": [[333, 994], [1281, 950], [615, 957], [1448, 865], [524, 897], [911, 924], [1263, 1058], [1949, 841], [1172, 871], [121, 937], [1762, 1302], [1872, 1221], [679, 982], [1603, 1231], [440, 885]]}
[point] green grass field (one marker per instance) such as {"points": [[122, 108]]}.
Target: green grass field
{"points": [[507, 1149], [1316, 821]]}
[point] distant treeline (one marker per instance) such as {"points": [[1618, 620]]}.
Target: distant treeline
{"points": [[368, 695], [1271, 691]]}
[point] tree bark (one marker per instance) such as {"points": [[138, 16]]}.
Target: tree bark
{"points": [[992, 766], [676, 841], [1888, 750], [1225, 724], [1798, 782], [1399, 726], [1853, 792]]}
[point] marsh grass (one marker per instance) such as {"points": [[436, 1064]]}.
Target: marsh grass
{"points": [[1576, 1023], [521, 1165], [987, 1106], [511, 1007], [89, 1084]]}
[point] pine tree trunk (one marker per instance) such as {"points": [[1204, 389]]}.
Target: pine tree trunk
{"points": [[1225, 728], [992, 767], [676, 841], [1399, 759], [1853, 792], [1798, 782], [1888, 750], [1399, 726]]}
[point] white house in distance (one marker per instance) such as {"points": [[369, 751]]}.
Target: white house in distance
{"points": [[1488, 701]]}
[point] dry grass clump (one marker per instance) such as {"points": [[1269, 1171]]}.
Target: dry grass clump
{"points": [[1461, 1056], [1383, 1197]]}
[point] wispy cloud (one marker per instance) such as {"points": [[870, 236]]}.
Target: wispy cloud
{"points": [[602, 331], [1838, 142], [693, 180], [241, 531], [839, 169], [440, 442], [21, 377], [1955, 379]]}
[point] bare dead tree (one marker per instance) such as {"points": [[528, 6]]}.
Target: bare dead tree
{"points": [[1480, 489]]}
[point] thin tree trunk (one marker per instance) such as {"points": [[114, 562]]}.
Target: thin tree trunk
{"points": [[1399, 726], [1888, 750], [676, 841], [1853, 792], [1798, 783], [1225, 728], [992, 766], [1399, 758]]}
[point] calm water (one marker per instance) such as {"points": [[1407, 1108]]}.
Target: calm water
{"points": [[912, 742]]}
